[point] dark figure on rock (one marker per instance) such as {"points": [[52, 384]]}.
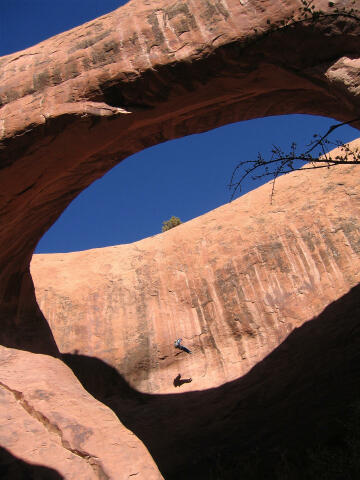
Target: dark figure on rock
{"points": [[177, 344], [178, 381]]}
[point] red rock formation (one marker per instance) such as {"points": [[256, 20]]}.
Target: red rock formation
{"points": [[47, 418], [233, 284], [77, 104]]}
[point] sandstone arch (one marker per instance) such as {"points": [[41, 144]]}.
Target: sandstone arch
{"points": [[75, 105]]}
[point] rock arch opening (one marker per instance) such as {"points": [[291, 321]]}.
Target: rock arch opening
{"points": [[187, 177], [224, 65], [72, 110], [178, 70]]}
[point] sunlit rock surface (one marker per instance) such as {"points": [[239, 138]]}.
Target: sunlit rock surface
{"points": [[232, 284], [76, 104], [48, 419], [264, 295]]}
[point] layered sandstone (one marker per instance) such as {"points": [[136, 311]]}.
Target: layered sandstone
{"points": [[232, 283], [265, 295], [251, 287], [77, 104]]}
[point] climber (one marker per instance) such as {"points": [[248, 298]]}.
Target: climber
{"points": [[177, 344]]}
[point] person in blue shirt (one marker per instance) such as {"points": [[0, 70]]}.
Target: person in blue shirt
{"points": [[177, 344]]}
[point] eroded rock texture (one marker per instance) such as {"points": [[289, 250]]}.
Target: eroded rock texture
{"points": [[47, 418], [236, 284], [77, 104], [232, 283]]}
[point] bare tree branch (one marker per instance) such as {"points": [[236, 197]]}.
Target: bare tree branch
{"points": [[281, 162]]}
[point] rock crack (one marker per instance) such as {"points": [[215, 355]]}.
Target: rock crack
{"points": [[53, 428]]}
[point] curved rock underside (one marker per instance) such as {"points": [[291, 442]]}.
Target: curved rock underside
{"points": [[77, 104]]}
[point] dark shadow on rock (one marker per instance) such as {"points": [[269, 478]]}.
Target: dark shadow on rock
{"points": [[13, 468], [293, 397], [100, 379], [23, 325], [178, 381]]}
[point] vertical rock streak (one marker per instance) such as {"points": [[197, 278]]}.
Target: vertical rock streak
{"points": [[77, 104], [232, 298]]}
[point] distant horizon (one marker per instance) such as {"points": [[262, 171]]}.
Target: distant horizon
{"points": [[186, 177]]}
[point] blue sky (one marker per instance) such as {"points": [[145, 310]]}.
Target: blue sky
{"points": [[186, 177]]}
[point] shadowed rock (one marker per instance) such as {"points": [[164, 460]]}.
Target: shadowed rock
{"points": [[16, 469], [294, 397], [232, 283], [265, 295], [77, 104]]}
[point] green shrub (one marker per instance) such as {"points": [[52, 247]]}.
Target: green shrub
{"points": [[173, 222]]}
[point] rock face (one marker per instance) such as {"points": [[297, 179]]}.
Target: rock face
{"points": [[47, 418], [77, 104], [257, 290], [232, 283]]}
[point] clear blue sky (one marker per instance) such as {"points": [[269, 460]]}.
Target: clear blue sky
{"points": [[185, 177]]}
